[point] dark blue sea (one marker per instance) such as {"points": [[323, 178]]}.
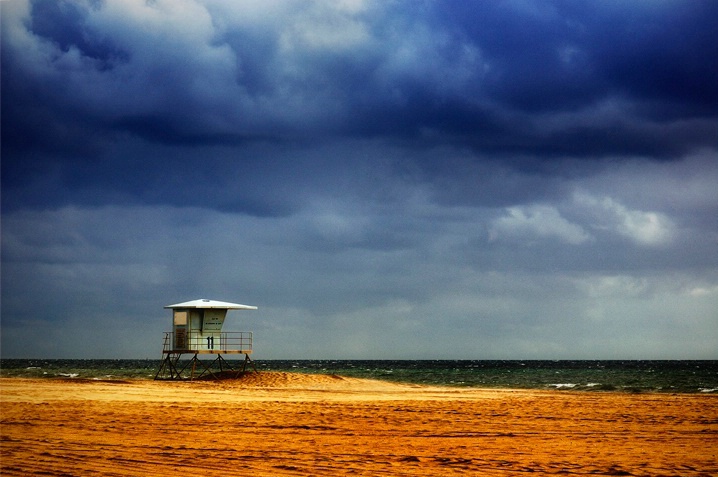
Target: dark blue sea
{"points": [[592, 376]]}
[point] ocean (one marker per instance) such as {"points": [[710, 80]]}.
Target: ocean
{"points": [[563, 375]]}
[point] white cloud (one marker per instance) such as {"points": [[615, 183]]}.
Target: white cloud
{"points": [[647, 228], [331, 27], [703, 291], [538, 221], [613, 286]]}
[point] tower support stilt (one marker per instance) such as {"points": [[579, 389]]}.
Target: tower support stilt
{"points": [[173, 368]]}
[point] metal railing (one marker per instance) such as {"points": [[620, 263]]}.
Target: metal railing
{"points": [[229, 341]]}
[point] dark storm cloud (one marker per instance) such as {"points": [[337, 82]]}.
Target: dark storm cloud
{"points": [[64, 24], [486, 75], [566, 55]]}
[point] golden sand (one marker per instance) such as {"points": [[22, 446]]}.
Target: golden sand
{"points": [[272, 424]]}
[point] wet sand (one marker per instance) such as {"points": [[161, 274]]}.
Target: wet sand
{"points": [[272, 424]]}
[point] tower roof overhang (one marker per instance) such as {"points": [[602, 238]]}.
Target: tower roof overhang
{"points": [[205, 304]]}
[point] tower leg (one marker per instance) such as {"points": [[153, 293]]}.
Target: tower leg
{"points": [[164, 364], [248, 360], [168, 367], [194, 366]]}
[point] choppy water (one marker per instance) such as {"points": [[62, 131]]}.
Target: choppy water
{"points": [[617, 376]]}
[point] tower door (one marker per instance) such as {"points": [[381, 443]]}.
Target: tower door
{"points": [[180, 329], [180, 337]]}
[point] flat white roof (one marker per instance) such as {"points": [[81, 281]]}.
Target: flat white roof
{"points": [[204, 303]]}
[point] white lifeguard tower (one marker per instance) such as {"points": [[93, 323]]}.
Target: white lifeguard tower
{"points": [[197, 330]]}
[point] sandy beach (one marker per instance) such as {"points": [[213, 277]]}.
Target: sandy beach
{"points": [[271, 423]]}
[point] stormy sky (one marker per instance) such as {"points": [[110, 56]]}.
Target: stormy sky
{"points": [[383, 179]]}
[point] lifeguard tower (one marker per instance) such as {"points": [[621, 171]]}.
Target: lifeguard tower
{"points": [[197, 330]]}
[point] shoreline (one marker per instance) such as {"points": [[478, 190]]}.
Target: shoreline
{"points": [[637, 376], [277, 423]]}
